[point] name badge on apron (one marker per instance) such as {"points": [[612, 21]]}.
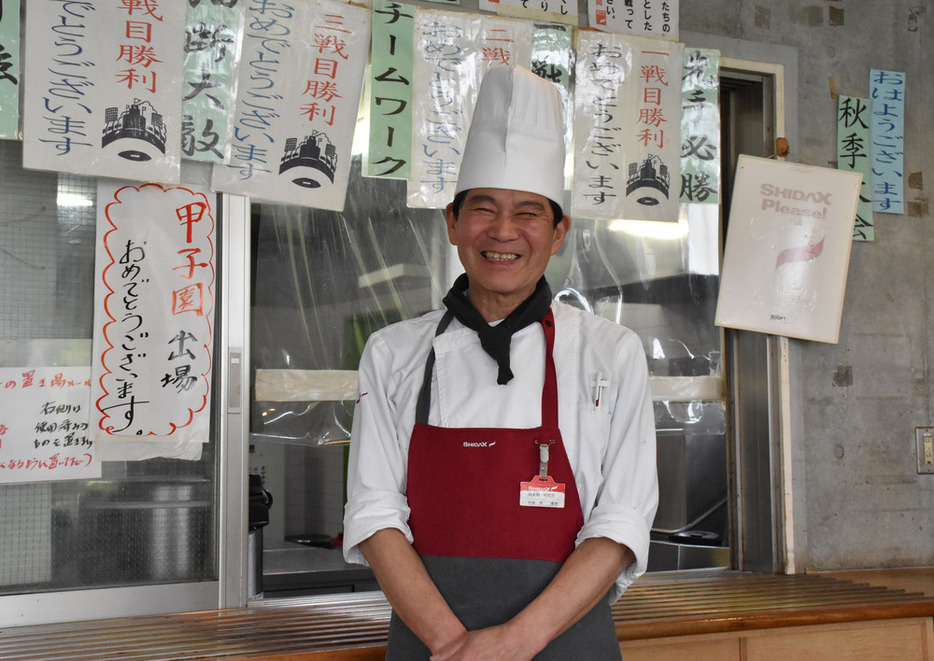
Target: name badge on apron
{"points": [[541, 490]]}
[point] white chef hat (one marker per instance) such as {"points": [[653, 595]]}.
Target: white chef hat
{"points": [[516, 136]]}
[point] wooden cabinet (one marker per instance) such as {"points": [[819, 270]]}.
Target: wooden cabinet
{"points": [[910, 639]]}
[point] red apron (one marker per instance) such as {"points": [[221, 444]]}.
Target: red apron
{"points": [[463, 486], [489, 556]]}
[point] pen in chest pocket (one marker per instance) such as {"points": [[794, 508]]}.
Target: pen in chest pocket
{"points": [[600, 384]]}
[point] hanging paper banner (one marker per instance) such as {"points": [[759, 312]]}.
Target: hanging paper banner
{"points": [[650, 18], [213, 32], [390, 146], [853, 155], [788, 249], [9, 70], [552, 58], [44, 434], [887, 99], [299, 93], [452, 52], [103, 88], [552, 55], [555, 11], [627, 128], [154, 297], [700, 127]]}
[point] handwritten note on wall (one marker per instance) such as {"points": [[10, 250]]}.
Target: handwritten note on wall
{"points": [[700, 127], [212, 53], [650, 18], [853, 143], [390, 153], [154, 323], [887, 98], [44, 434]]}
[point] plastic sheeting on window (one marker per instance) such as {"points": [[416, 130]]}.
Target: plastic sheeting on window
{"points": [[323, 281]]}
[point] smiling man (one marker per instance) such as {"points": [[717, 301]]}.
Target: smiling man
{"points": [[502, 478]]}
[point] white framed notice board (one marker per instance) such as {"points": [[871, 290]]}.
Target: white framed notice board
{"points": [[788, 249]]}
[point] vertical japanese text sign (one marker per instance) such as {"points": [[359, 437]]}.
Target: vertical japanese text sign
{"points": [[390, 153], [452, 52], [557, 11], [700, 127], [103, 88], [213, 34], [627, 128], [650, 18], [9, 69], [552, 59], [887, 98], [154, 294], [599, 180], [853, 154], [446, 83], [44, 425], [297, 102]]}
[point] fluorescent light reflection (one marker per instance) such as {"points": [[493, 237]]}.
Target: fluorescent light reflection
{"points": [[652, 229], [73, 200]]}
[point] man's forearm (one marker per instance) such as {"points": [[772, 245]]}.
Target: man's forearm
{"points": [[584, 579], [411, 592]]}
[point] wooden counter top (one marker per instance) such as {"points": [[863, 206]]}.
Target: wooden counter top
{"points": [[353, 626], [660, 605]]}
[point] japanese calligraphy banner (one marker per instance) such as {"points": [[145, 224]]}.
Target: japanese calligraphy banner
{"points": [[552, 59], [103, 88], [887, 130], [390, 147], [649, 18], [853, 155], [700, 127], [9, 70], [627, 128], [213, 33], [44, 415], [154, 323], [788, 249], [556, 11], [296, 110], [452, 52]]}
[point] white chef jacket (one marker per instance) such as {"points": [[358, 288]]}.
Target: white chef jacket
{"points": [[605, 416]]}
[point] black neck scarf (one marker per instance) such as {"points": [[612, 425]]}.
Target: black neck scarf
{"points": [[495, 340]]}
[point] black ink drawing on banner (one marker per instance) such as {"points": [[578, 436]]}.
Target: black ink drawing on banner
{"points": [[647, 179], [316, 156], [140, 126]]}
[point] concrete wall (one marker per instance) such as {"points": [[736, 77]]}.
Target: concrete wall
{"points": [[860, 502]]}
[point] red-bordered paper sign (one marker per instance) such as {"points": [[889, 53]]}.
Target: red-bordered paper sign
{"points": [[154, 324]]}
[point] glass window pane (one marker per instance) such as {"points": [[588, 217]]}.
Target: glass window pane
{"points": [[142, 522], [323, 281]]}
